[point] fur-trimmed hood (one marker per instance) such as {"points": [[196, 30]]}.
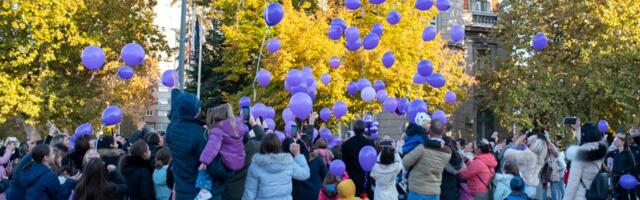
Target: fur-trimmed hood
{"points": [[591, 151], [273, 163], [110, 152]]}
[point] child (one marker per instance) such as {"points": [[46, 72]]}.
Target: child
{"points": [[503, 180], [329, 189], [517, 189], [347, 190], [323, 152], [385, 171], [162, 161]]}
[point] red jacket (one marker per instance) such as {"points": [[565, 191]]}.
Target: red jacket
{"points": [[481, 167]]}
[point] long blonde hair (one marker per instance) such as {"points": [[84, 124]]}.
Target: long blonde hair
{"points": [[221, 113]]}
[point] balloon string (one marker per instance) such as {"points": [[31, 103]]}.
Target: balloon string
{"points": [[93, 75], [255, 78]]}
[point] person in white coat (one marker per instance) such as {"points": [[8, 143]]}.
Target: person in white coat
{"points": [[586, 160], [385, 172]]}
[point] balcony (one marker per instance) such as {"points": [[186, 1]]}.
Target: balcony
{"points": [[480, 19]]}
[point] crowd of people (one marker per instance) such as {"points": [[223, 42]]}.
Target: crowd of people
{"points": [[213, 154]]}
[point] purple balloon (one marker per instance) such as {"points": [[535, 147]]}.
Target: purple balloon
{"points": [[259, 110], [429, 33], [245, 102], [132, 54], [368, 94], [325, 78], [83, 129], [339, 23], [280, 135], [443, 5], [450, 97], [377, 29], [390, 105], [367, 158], [628, 182], [337, 168], [423, 4], [269, 112], [352, 88], [352, 34], [92, 57], [325, 114], [419, 79], [294, 77], [273, 14], [287, 115], [334, 62], [371, 41], [393, 17], [334, 32], [439, 114], [415, 107], [457, 33], [603, 126], [363, 83], [339, 109], [111, 115], [402, 106], [436, 80], [287, 127], [352, 4], [168, 78], [125, 72], [539, 41], [425, 68], [263, 77], [273, 45], [388, 59], [378, 85], [270, 124], [335, 141], [301, 105], [326, 134], [376, 2], [381, 95], [353, 46]]}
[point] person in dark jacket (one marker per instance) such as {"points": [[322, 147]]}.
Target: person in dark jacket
{"points": [[186, 139], [137, 171], [450, 183], [623, 163], [16, 191], [39, 181], [155, 142], [74, 159], [310, 188], [94, 184], [109, 151], [350, 152], [234, 185]]}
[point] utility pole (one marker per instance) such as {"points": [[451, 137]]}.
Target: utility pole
{"points": [[183, 16]]}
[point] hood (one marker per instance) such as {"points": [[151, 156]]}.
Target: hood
{"points": [[133, 163], [272, 162], [188, 105], [503, 177], [387, 169], [110, 152], [226, 127], [346, 189], [488, 159], [32, 174], [591, 151], [414, 129]]}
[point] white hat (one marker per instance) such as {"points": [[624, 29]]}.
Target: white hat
{"points": [[422, 118]]}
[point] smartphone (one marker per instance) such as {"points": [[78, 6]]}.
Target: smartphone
{"points": [[294, 130], [245, 113], [570, 120]]}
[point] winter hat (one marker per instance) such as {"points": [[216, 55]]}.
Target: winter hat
{"points": [[590, 133], [517, 184], [422, 118], [483, 142]]}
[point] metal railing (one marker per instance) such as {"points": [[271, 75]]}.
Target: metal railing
{"points": [[484, 18]]}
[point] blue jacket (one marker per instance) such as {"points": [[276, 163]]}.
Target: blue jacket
{"points": [[163, 192], [16, 191], [41, 183], [270, 176], [503, 185], [186, 139], [310, 188]]}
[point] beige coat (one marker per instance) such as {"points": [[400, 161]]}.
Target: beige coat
{"points": [[585, 170], [426, 167]]}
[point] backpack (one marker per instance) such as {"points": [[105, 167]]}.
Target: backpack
{"points": [[599, 188]]}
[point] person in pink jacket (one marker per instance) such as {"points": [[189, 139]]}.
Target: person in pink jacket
{"points": [[480, 171]]}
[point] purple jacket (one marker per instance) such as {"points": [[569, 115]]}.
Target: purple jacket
{"points": [[221, 140]]}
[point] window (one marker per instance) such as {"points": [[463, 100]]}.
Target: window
{"points": [[161, 127], [149, 112], [481, 5], [162, 113]]}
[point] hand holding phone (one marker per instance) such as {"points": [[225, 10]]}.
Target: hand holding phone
{"points": [[570, 120], [246, 113]]}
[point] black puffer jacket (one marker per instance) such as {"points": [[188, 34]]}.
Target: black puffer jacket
{"points": [[138, 174]]}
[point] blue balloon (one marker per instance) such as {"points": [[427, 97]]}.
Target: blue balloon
{"points": [[439, 115], [388, 59], [273, 45], [111, 115], [423, 4], [334, 33], [273, 14], [457, 33], [371, 41], [539, 41], [415, 107], [377, 29], [436, 80], [425, 68], [92, 57], [443, 5], [393, 17], [339, 23], [378, 85], [125, 72], [376, 2], [419, 79], [132, 54], [363, 83], [429, 33], [352, 88], [352, 4], [353, 46], [352, 34]]}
